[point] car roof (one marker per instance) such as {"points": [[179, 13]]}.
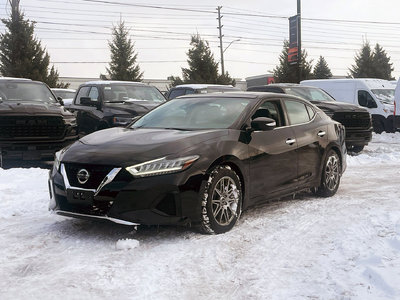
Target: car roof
{"points": [[63, 90], [248, 95], [111, 82], [203, 86], [14, 79]]}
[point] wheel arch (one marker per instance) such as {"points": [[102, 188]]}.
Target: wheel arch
{"points": [[237, 166], [335, 148]]}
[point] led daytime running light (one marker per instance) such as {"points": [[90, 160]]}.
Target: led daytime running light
{"points": [[162, 166]]}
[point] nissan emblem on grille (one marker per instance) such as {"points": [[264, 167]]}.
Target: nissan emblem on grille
{"points": [[83, 176]]}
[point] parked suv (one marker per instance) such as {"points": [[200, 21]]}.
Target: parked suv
{"points": [[186, 89], [33, 123], [103, 104], [356, 119]]}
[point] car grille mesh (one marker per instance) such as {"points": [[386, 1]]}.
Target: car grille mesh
{"points": [[31, 127], [353, 119], [96, 174]]}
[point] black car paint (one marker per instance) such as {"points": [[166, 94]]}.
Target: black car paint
{"points": [[93, 118], [174, 198], [354, 136], [31, 114]]}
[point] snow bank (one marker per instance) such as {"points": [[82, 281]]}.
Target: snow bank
{"points": [[343, 247], [126, 244]]}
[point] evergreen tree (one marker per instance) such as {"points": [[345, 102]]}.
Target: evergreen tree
{"points": [[382, 65], [22, 55], [364, 63], [288, 73], [202, 66], [321, 69], [123, 64]]}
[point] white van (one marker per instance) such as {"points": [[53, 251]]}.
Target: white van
{"points": [[377, 95], [397, 104]]}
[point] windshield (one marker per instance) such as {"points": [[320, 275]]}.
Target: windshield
{"points": [[65, 94], [309, 93], [25, 91], [126, 93], [194, 113], [384, 95]]}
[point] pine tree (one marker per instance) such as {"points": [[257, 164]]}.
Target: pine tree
{"points": [[321, 69], [288, 73], [382, 65], [22, 55], [123, 64], [202, 66], [364, 63]]}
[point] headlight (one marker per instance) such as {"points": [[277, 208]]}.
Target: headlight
{"points": [[57, 160], [388, 110], [122, 120], [162, 166], [70, 121]]}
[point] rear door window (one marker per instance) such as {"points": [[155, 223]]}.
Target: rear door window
{"points": [[297, 112]]}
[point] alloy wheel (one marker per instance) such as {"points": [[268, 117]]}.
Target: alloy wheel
{"points": [[225, 200]]}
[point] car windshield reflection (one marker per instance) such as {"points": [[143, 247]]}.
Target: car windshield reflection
{"points": [[194, 114]]}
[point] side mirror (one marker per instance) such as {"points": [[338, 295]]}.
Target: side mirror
{"points": [[60, 100], [263, 124], [87, 101]]}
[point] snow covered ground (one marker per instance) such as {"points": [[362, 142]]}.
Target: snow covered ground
{"points": [[344, 247]]}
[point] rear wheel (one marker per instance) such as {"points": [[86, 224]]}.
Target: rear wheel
{"points": [[330, 178], [221, 201]]}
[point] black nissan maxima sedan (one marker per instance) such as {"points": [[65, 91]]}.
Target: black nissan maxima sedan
{"points": [[200, 160]]}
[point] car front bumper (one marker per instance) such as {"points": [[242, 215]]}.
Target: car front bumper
{"points": [[358, 137], [155, 200]]}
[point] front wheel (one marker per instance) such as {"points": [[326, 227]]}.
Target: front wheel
{"points": [[355, 149], [221, 201], [330, 178]]}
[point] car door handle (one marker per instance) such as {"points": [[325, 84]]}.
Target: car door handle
{"points": [[290, 141], [321, 133]]}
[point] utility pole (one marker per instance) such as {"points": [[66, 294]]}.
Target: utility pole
{"points": [[299, 39], [14, 8], [220, 39]]}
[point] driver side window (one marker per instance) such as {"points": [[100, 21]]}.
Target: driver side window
{"points": [[366, 100], [83, 92], [272, 110], [94, 94]]}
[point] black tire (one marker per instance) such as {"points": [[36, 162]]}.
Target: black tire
{"points": [[221, 201], [355, 149], [330, 177], [378, 126]]}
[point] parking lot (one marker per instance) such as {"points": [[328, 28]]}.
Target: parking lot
{"points": [[346, 246]]}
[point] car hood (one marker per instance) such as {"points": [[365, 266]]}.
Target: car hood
{"points": [[32, 108], [125, 147], [338, 106], [132, 108]]}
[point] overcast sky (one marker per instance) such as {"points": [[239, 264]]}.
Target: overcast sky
{"points": [[77, 31]]}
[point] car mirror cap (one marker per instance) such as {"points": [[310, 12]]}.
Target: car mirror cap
{"points": [[263, 124]]}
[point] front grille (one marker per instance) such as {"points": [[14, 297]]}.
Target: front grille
{"points": [[96, 174], [353, 119], [31, 127]]}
